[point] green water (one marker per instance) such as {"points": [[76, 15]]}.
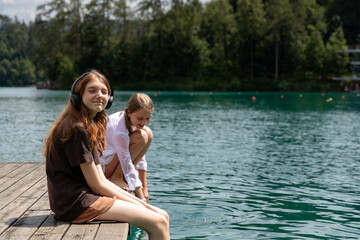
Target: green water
{"points": [[226, 166]]}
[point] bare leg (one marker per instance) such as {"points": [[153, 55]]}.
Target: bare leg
{"points": [[115, 174], [155, 224], [140, 141]]}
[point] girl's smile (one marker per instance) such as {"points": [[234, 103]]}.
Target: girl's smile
{"points": [[95, 96], [140, 118]]}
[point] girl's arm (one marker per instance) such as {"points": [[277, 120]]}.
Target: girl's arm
{"points": [[100, 185], [111, 184], [143, 179], [121, 143]]}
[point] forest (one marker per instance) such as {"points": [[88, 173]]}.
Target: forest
{"points": [[217, 45]]}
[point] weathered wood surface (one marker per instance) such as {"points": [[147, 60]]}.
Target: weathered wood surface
{"points": [[25, 212]]}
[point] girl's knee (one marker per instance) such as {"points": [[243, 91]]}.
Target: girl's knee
{"points": [[149, 133], [139, 137], [162, 223], [159, 228], [165, 215]]}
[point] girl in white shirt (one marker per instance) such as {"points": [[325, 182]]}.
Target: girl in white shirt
{"points": [[128, 138]]}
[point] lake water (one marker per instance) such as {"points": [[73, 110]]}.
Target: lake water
{"points": [[226, 166]]}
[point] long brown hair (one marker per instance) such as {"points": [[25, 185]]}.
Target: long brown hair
{"points": [[64, 125], [136, 102]]}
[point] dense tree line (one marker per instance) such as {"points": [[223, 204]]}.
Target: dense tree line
{"points": [[183, 45], [16, 68]]}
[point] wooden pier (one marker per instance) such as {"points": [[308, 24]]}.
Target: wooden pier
{"points": [[25, 212]]}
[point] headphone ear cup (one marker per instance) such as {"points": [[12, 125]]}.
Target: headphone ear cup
{"points": [[76, 100], [110, 101]]}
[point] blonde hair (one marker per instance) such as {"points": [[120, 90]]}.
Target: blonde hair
{"points": [[136, 102]]}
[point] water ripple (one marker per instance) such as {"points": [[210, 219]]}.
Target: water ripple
{"points": [[227, 167]]}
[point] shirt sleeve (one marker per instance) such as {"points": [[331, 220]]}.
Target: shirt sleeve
{"points": [[142, 164], [122, 141]]}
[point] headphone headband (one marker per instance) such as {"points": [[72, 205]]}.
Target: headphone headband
{"points": [[76, 99], [78, 79]]}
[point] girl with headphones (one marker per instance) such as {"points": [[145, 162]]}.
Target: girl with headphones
{"points": [[78, 190]]}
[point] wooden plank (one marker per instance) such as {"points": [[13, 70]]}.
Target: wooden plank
{"points": [[82, 232], [51, 229], [3, 164], [25, 226], [43, 202], [15, 173], [21, 169], [25, 212], [6, 168], [36, 223], [19, 187], [20, 205], [112, 231]]}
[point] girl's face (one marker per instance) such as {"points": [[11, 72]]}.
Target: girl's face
{"points": [[140, 118], [95, 97]]}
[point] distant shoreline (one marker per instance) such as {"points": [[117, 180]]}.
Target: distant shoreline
{"points": [[210, 92]]}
